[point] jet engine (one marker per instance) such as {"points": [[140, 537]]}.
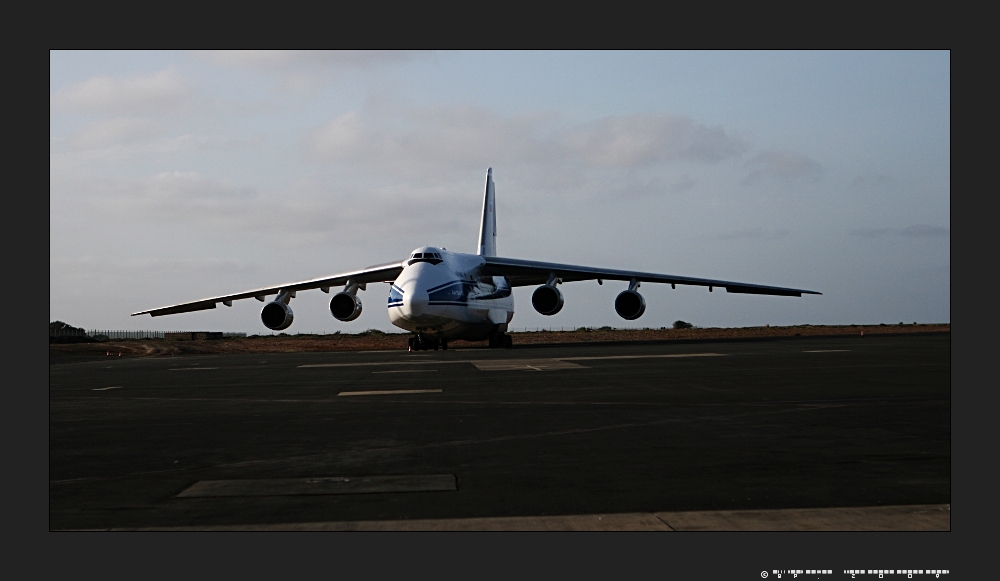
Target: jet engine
{"points": [[345, 306], [276, 315], [547, 299], [630, 305]]}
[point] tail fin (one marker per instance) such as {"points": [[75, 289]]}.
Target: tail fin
{"points": [[488, 229]]}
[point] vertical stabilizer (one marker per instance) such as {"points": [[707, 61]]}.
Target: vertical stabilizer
{"points": [[488, 228]]}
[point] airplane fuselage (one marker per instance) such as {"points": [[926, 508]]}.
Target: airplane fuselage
{"points": [[441, 294]]}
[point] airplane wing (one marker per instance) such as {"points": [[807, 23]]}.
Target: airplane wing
{"points": [[529, 272], [380, 273]]}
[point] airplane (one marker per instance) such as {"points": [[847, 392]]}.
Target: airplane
{"points": [[441, 296]]}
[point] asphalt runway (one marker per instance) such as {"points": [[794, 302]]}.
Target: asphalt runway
{"points": [[567, 432]]}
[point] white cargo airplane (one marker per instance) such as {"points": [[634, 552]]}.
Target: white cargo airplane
{"points": [[439, 295]]}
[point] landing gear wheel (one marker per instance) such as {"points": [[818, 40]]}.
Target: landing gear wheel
{"points": [[444, 345], [508, 341]]}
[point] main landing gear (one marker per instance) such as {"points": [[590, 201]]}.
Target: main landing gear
{"points": [[501, 340], [420, 343]]}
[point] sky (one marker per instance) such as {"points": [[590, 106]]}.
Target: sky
{"points": [[175, 176]]}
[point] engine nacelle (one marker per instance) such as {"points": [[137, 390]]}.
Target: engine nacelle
{"points": [[345, 306], [276, 315], [547, 300], [630, 305]]}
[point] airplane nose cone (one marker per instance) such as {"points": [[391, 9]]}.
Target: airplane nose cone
{"points": [[414, 303]]}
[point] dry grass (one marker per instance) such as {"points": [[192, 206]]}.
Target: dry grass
{"points": [[378, 342]]}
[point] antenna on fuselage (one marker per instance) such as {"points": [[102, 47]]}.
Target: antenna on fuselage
{"points": [[488, 228]]}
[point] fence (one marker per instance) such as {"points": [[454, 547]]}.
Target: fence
{"points": [[67, 332], [554, 330], [112, 334], [562, 329]]}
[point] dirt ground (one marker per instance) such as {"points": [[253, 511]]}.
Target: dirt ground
{"points": [[378, 341]]}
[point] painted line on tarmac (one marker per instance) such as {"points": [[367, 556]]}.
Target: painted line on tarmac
{"points": [[524, 365], [512, 363], [595, 358], [190, 368], [106, 388], [388, 392], [406, 371], [440, 444], [321, 485], [827, 351], [370, 364], [928, 517]]}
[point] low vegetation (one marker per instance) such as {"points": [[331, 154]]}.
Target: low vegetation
{"points": [[375, 340]]}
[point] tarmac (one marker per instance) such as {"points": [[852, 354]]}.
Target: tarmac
{"points": [[803, 433]]}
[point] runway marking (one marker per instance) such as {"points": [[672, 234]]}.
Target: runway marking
{"points": [[524, 365], [321, 485], [929, 517], [189, 368], [388, 392], [508, 364], [769, 403], [643, 356], [369, 364], [439, 444], [827, 351], [406, 371], [106, 388]]}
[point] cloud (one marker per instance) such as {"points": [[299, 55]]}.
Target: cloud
{"points": [[871, 232], [183, 196], [110, 145], [306, 72], [467, 138], [921, 230], [285, 60], [781, 165], [915, 231], [682, 185], [755, 234], [154, 93], [874, 180], [306, 212], [148, 264], [654, 187], [115, 131], [639, 140], [434, 141]]}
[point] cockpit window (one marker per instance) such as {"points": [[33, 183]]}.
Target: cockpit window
{"points": [[431, 257]]}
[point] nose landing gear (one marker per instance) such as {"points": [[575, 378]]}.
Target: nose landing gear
{"points": [[420, 343]]}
